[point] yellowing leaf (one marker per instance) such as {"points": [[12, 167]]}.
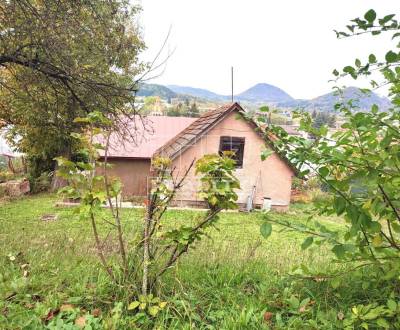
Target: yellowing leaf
{"points": [[153, 310], [66, 307], [133, 305], [377, 241]]}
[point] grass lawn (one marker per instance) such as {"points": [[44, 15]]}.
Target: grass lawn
{"points": [[228, 281]]}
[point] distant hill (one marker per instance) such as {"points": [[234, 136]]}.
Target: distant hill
{"points": [[362, 100], [155, 90], [258, 93], [326, 102], [197, 92], [268, 94], [264, 93]]}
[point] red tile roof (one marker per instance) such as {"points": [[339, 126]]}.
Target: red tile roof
{"points": [[148, 135]]}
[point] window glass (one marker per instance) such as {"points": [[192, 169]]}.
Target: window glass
{"points": [[235, 144]]}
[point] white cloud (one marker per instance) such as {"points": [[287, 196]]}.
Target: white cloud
{"points": [[287, 43]]}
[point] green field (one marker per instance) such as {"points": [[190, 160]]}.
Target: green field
{"points": [[228, 281]]}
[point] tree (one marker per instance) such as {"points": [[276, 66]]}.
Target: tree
{"points": [[194, 110], [360, 165], [322, 118], [60, 60]]}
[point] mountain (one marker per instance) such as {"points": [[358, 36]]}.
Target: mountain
{"points": [[258, 93], [197, 92], [326, 102], [264, 93], [363, 101], [156, 90]]}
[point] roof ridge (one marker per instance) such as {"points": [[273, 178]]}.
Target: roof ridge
{"points": [[199, 124]]}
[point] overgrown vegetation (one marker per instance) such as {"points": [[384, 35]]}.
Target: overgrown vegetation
{"points": [[360, 166], [49, 272]]}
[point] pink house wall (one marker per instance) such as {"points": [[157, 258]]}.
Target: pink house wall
{"points": [[272, 177]]}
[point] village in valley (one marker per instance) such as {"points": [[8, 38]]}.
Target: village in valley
{"points": [[134, 194]]}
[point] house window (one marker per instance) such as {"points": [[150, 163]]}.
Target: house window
{"points": [[235, 144]]}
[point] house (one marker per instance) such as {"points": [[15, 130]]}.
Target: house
{"points": [[184, 139]]}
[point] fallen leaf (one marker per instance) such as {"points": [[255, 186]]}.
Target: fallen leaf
{"points": [[66, 307], [51, 314], [80, 321], [96, 312], [36, 297], [302, 309], [268, 316]]}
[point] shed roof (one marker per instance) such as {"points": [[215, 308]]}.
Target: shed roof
{"points": [[150, 133]]}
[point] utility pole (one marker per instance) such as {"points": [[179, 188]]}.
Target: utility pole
{"points": [[232, 83]]}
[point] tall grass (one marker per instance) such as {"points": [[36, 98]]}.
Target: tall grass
{"points": [[227, 281]]}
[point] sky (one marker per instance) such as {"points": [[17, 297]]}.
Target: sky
{"points": [[286, 43]]}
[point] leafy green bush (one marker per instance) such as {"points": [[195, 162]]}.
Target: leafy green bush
{"points": [[359, 165]]}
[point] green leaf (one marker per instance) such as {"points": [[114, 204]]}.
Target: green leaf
{"points": [[339, 251], [396, 227], [265, 154], [339, 204], [372, 58], [396, 35], [370, 15], [307, 242], [324, 171], [133, 305], [391, 57], [386, 19], [383, 323], [392, 304], [335, 283], [266, 229]]}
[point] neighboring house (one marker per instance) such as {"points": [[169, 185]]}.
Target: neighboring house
{"points": [[184, 139]]}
